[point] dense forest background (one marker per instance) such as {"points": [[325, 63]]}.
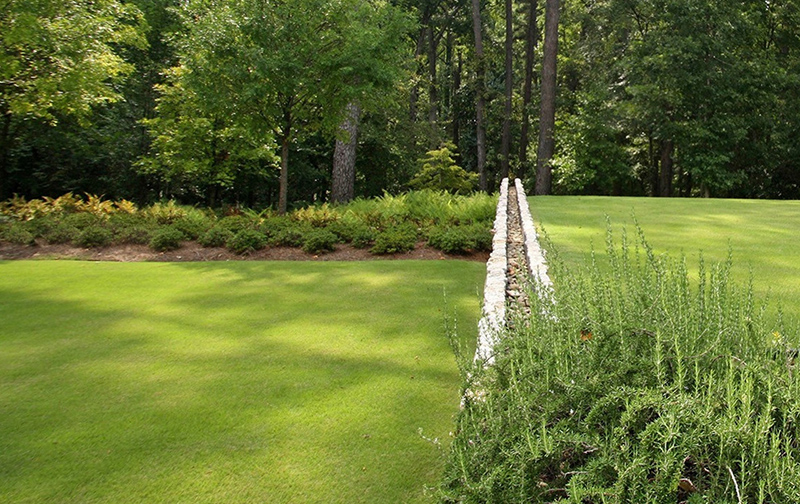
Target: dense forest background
{"points": [[290, 102]]}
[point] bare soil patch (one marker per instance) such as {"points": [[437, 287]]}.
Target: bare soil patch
{"points": [[191, 251]]}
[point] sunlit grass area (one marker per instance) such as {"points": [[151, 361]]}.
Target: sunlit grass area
{"points": [[228, 382], [761, 234]]}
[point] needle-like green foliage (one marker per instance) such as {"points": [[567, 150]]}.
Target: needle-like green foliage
{"points": [[634, 382]]}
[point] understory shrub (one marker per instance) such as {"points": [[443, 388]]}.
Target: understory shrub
{"points": [[423, 208], [93, 236], [345, 229], [401, 238], [283, 232], [18, 234], [235, 223], [166, 238], [633, 383], [215, 237], [131, 228], [247, 240], [194, 223], [61, 232], [81, 220], [363, 237], [461, 239], [317, 215], [440, 172], [319, 240], [389, 224], [165, 213]]}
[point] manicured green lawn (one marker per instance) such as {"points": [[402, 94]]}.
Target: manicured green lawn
{"points": [[228, 382], [762, 234]]}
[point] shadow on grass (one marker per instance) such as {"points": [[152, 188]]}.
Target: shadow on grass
{"points": [[232, 384]]}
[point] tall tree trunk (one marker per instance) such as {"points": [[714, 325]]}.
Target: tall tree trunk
{"points": [[531, 33], [286, 138], [433, 92], [688, 185], [414, 95], [344, 157], [456, 87], [665, 179], [283, 192], [547, 118], [447, 100], [652, 164], [506, 145], [480, 105]]}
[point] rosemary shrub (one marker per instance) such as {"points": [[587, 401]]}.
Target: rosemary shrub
{"points": [[637, 382]]}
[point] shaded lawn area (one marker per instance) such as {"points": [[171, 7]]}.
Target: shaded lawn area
{"points": [[228, 382], [763, 234]]}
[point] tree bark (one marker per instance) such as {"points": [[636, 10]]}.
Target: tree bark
{"points": [[652, 164], [547, 118], [506, 141], [665, 178], [283, 191], [531, 33], [480, 101], [414, 95], [456, 87], [286, 138], [344, 157], [433, 92]]}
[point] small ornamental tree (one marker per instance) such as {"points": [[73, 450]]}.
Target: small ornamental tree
{"points": [[440, 172]]}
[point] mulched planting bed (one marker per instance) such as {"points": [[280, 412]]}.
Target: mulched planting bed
{"points": [[191, 251]]}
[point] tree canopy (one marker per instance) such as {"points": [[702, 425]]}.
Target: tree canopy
{"points": [[242, 102]]}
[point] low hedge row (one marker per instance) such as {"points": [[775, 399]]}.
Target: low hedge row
{"points": [[164, 226]]}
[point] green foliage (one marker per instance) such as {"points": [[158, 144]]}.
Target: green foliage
{"points": [[166, 238], [399, 219], [424, 208], [317, 215], [246, 241], [461, 239], [61, 232], [402, 238], [94, 236], [253, 76], [194, 223], [363, 237], [19, 234], [345, 229], [66, 204], [132, 228], [631, 382], [41, 226], [64, 57], [285, 232], [138, 235], [439, 172], [235, 223], [165, 213], [215, 237], [82, 220], [319, 240]]}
